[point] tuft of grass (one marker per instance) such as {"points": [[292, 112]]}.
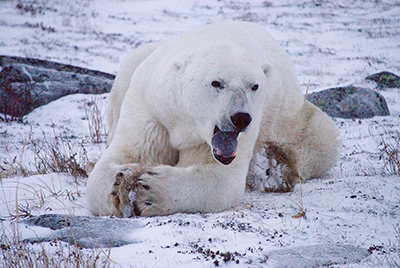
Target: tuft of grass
{"points": [[59, 155], [15, 165], [389, 152], [93, 111], [302, 212]]}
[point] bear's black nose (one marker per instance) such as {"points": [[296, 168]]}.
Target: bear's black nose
{"points": [[241, 121]]}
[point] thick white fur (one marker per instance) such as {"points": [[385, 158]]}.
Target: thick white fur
{"points": [[162, 113]]}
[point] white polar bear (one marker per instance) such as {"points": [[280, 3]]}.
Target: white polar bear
{"points": [[186, 117]]}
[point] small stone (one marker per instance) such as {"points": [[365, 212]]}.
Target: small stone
{"points": [[385, 79]]}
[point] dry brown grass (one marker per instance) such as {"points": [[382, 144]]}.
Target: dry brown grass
{"points": [[49, 153], [93, 111], [389, 152], [60, 155], [15, 165]]}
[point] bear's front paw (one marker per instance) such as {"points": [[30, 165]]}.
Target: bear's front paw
{"points": [[124, 190], [151, 191]]}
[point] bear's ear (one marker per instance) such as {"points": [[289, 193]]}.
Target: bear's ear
{"points": [[179, 65], [265, 67]]}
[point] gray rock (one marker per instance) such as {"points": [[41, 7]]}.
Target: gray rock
{"points": [[26, 84], [350, 102], [385, 79], [85, 231], [322, 255]]}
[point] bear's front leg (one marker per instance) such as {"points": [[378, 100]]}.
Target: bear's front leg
{"points": [[165, 190]]}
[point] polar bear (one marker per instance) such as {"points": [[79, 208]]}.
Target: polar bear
{"points": [[186, 117]]}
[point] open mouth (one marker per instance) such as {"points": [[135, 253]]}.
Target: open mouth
{"points": [[224, 144]]}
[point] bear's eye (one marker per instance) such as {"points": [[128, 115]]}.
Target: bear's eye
{"points": [[255, 87], [216, 84]]}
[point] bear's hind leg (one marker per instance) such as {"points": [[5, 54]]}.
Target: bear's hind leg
{"points": [[319, 147]]}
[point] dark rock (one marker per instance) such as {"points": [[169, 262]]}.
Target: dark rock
{"points": [[350, 102], [322, 255], [26, 84], [385, 79], [86, 231]]}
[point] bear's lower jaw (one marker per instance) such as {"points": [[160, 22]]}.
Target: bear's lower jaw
{"points": [[223, 160], [224, 145]]}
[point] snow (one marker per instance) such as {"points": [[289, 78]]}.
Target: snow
{"points": [[332, 43]]}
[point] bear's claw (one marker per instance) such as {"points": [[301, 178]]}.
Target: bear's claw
{"points": [[124, 192], [152, 173]]}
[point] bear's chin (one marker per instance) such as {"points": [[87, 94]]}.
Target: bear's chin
{"points": [[221, 159]]}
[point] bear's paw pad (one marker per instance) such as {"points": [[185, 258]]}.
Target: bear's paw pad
{"points": [[273, 169], [265, 175]]}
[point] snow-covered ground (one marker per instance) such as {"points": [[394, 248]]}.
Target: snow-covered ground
{"points": [[332, 43]]}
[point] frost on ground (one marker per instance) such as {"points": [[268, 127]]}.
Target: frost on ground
{"points": [[332, 43]]}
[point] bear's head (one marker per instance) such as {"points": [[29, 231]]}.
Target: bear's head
{"points": [[223, 90]]}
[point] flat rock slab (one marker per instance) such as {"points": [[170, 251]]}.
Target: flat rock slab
{"points": [[322, 255], [350, 102], [85, 231], [26, 83]]}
